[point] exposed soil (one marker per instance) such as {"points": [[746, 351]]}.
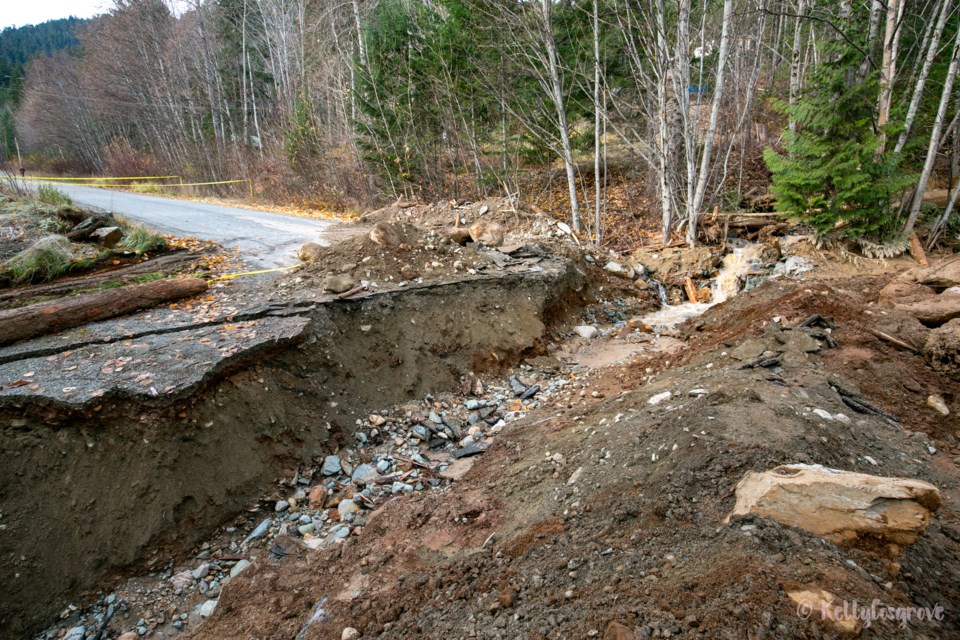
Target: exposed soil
{"points": [[626, 524], [228, 405], [587, 511]]}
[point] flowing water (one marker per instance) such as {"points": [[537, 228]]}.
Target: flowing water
{"points": [[727, 284]]}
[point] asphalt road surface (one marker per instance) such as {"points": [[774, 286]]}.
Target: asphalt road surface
{"points": [[265, 240]]}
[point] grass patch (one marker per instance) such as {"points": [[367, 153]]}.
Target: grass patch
{"points": [[46, 260], [139, 240], [144, 187], [53, 197]]}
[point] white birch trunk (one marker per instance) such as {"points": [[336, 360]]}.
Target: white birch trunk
{"points": [[921, 81], [694, 208], [558, 101], [934, 138]]}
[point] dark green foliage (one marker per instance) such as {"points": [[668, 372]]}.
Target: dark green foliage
{"points": [[18, 45], [833, 174]]}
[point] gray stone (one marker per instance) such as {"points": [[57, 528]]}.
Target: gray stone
{"points": [[586, 331], [207, 608], [238, 568], [383, 466], [261, 529], [107, 236], [76, 633], [624, 271], [331, 466], [201, 572], [434, 418], [421, 432], [365, 473], [471, 449], [472, 404]]}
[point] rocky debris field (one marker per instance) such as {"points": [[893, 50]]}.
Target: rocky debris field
{"points": [[654, 500]]}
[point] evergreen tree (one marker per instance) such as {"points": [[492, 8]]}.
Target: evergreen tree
{"points": [[835, 176]]}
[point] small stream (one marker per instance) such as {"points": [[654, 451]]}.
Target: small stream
{"points": [[727, 284]]}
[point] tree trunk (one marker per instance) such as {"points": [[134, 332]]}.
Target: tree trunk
{"points": [[795, 64], [66, 313], [596, 122], [558, 101], [694, 209], [922, 79], [888, 71], [934, 138]]}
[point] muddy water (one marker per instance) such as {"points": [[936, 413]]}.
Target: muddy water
{"points": [[728, 283]]}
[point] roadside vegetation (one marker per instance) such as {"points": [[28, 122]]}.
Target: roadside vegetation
{"points": [[625, 120]]}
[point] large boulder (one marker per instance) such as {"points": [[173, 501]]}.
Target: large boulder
{"points": [[942, 349], [922, 302], [387, 234], [674, 265], [310, 252], [487, 232], [941, 275], [107, 237], [840, 506]]}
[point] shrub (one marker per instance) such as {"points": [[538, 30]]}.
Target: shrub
{"points": [[53, 197]]}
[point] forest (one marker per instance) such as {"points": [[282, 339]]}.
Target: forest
{"points": [[846, 112]]}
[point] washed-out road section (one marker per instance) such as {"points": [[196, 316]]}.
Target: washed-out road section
{"points": [[265, 240]]}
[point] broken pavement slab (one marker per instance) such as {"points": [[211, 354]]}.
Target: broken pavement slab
{"points": [[840, 506]]}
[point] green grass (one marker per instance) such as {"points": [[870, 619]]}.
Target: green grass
{"points": [[46, 260], [139, 240], [53, 197]]}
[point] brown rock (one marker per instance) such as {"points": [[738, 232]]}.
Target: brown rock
{"points": [[310, 252], [487, 232], [338, 283], [507, 597], [387, 234], [129, 635], [839, 505], [317, 497], [942, 349], [922, 302], [617, 631], [942, 275], [819, 606], [460, 235]]}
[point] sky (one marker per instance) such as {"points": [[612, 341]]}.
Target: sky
{"points": [[22, 12]]}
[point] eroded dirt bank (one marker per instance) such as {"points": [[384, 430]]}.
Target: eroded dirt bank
{"points": [[603, 513], [96, 473]]}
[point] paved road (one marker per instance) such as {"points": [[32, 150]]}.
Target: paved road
{"points": [[265, 240]]}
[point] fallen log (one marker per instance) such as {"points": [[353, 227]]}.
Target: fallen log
{"points": [[49, 317], [165, 264], [691, 290]]}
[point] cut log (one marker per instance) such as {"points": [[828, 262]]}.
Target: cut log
{"points": [[165, 264], [66, 313], [917, 252], [691, 290]]}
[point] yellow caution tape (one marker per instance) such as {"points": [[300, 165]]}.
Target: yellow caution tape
{"points": [[102, 179], [254, 273]]}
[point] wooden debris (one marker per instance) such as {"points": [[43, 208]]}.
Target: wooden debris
{"points": [[917, 252], [49, 317], [894, 341], [352, 292], [691, 290]]}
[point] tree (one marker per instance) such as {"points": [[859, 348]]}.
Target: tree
{"points": [[835, 174]]}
